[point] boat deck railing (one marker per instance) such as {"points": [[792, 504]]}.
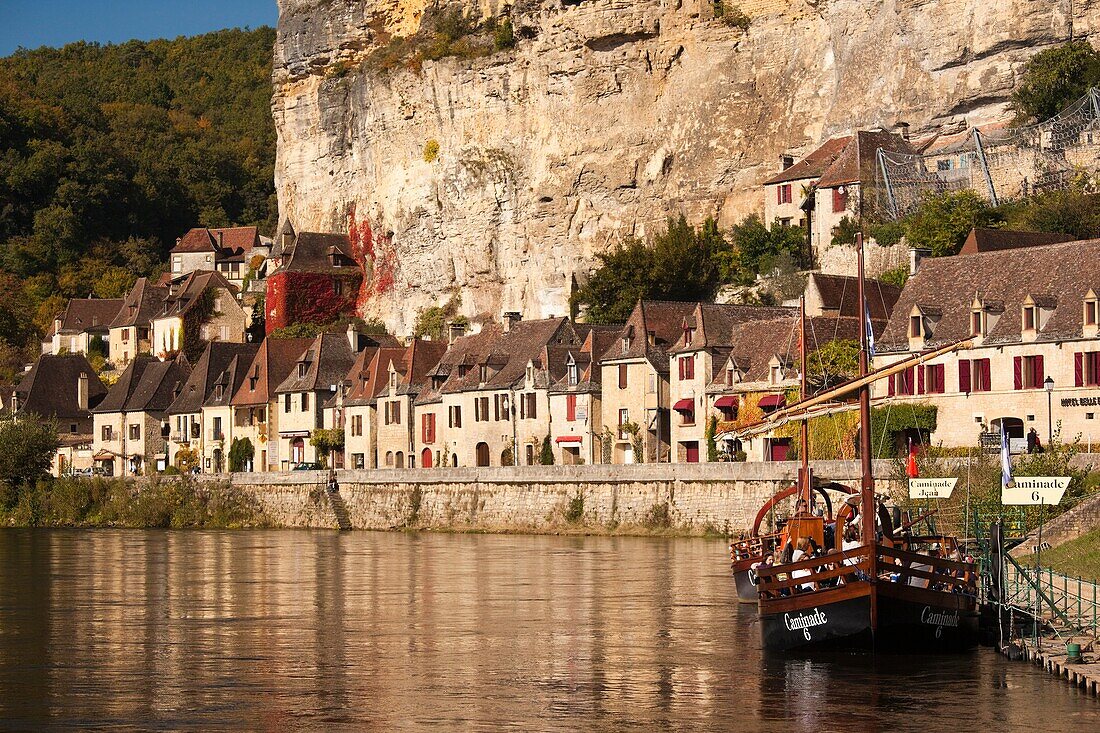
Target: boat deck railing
{"points": [[754, 547], [894, 565]]}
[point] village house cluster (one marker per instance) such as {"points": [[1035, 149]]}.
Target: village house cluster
{"points": [[201, 386]]}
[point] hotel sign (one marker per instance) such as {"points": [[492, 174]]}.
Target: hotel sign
{"points": [[931, 488], [1080, 402], [1035, 490]]}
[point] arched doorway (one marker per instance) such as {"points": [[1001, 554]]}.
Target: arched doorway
{"points": [[399, 459], [454, 460], [426, 458], [482, 451], [1014, 426], [297, 451]]}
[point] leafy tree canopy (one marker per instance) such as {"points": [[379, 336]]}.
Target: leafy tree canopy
{"points": [[1055, 78], [28, 451]]}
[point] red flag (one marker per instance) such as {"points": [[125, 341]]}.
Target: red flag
{"points": [[911, 467]]}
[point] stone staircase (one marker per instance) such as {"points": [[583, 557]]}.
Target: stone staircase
{"points": [[339, 510]]}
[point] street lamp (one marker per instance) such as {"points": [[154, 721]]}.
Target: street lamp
{"points": [[1048, 383]]}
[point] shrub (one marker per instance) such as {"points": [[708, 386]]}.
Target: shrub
{"points": [[574, 512], [431, 151], [1054, 78], [240, 453], [504, 36], [897, 276], [731, 14], [28, 447], [546, 455], [658, 516]]}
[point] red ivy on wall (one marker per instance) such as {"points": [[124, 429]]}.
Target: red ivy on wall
{"points": [[377, 253], [305, 297]]}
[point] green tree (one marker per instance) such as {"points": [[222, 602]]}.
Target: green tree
{"points": [[712, 444], [240, 453], [1055, 78], [326, 441], [28, 450], [834, 363], [1070, 211], [943, 221], [759, 250], [546, 455], [681, 263]]}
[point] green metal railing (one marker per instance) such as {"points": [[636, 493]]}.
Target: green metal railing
{"points": [[1072, 601]]}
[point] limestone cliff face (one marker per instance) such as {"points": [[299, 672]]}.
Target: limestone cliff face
{"points": [[607, 116]]}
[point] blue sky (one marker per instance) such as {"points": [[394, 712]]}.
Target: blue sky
{"points": [[34, 23]]}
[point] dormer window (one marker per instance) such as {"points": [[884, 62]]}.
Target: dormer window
{"points": [[393, 379], [484, 377], [1092, 310], [776, 374], [303, 369], [976, 323], [573, 375], [1031, 317], [218, 391], [729, 378], [626, 344], [530, 373], [689, 334], [916, 327]]}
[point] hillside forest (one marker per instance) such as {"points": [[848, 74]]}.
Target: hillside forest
{"points": [[109, 153]]}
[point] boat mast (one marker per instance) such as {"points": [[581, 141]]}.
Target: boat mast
{"points": [[867, 493], [804, 430]]}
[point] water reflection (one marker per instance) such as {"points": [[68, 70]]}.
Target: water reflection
{"points": [[293, 629]]}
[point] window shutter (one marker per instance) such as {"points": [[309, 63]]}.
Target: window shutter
{"points": [[920, 379], [571, 408], [987, 380], [891, 387], [1038, 374], [1078, 369], [941, 387], [1017, 373], [778, 194], [964, 375], [622, 376]]}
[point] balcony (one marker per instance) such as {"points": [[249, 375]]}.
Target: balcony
{"points": [[180, 438]]}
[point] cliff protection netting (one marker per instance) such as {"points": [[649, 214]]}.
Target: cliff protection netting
{"points": [[1000, 165]]}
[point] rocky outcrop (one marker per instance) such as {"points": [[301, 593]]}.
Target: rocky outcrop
{"points": [[607, 116]]}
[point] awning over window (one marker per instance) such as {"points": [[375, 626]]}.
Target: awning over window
{"points": [[684, 406], [104, 455], [725, 402], [569, 439], [772, 401]]}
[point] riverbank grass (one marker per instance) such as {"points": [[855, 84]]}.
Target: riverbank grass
{"points": [[1079, 558]]}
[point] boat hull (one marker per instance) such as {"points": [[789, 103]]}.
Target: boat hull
{"points": [[908, 619], [745, 580]]}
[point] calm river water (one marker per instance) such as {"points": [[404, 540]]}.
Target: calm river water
{"points": [[287, 630]]}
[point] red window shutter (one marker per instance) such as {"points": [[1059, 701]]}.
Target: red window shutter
{"points": [[1038, 375], [964, 375], [571, 407], [941, 387], [680, 368], [778, 194], [891, 385], [920, 379], [1078, 369], [1017, 372], [987, 379], [622, 376]]}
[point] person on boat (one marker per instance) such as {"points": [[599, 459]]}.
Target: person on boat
{"points": [[802, 552], [919, 582]]}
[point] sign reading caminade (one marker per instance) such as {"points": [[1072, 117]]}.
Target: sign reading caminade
{"points": [[1035, 490], [931, 488]]}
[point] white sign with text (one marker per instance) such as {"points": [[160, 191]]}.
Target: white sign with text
{"points": [[931, 488], [1035, 490]]}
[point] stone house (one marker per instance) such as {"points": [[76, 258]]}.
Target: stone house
{"points": [[255, 409], [576, 426], [185, 414], [788, 195], [130, 436], [363, 383], [317, 374], [227, 251], [846, 189], [1033, 315], [439, 423], [63, 388], [837, 295], [635, 380], [403, 374], [707, 336], [218, 412], [317, 278], [201, 309], [131, 331], [85, 321]]}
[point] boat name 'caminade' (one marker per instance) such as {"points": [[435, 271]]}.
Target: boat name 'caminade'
{"points": [[805, 622], [939, 619]]}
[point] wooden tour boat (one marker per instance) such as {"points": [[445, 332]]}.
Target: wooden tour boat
{"points": [[885, 590]]}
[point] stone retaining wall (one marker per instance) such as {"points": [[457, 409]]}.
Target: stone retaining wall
{"points": [[681, 498]]}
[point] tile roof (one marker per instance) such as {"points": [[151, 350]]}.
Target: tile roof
{"points": [[716, 323], [947, 286], [209, 367], [49, 389], [86, 314], [309, 252], [857, 161], [511, 352], [274, 361], [187, 295], [814, 164], [229, 241], [364, 379], [840, 293], [229, 381], [144, 303], [994, 240], [328, 360], [146, 385], [665, 319]]}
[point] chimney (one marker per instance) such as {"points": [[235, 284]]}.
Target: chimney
{"points": [[457, 331], [511, 318], [916, 254], [219, 234], [82, 391], [179, 239], [785, 162], [902, 128]]}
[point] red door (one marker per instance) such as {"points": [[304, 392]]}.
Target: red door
{"points": [[780, 449], [691, 452], [426, 459]]}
